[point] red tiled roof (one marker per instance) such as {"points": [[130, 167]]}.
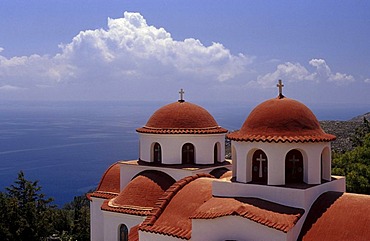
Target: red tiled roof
{"points": [[270, 214], [109, 184], [338, 216], [281, 120], [133, 210], [134, 233], [171, 213], [214, 130], [100, 194], [181, 118], [141, 194]]}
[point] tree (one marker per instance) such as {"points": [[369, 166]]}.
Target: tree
{"points": [[355, 165], [80, 208], [26, 213], [360, 133]]}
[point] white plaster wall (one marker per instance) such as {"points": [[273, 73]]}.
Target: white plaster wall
{"points": [[147, 236], [301, 198], [96, 219], [112, 222], [233, 228], [234, 160], [171, 145], [326, 164], [276, 153]]}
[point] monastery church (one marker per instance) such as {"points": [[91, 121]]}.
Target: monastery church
{"points": [[278, 185]]}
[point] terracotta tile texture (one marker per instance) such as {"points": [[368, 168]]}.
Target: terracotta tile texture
{"points": [[270, 214], [134, 233], [170, 215], [141, 194], [338, 216], [281, 120], [109, 184], [181, 118]]}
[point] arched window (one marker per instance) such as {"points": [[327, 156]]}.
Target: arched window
{"points": [[234, 160], [326, 164], [123, 233], [216, 153], [259, 167], [188, 154], [294, 167], [157, 153]]}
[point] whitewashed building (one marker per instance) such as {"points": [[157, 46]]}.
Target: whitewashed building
{"points": [[278, 185]]}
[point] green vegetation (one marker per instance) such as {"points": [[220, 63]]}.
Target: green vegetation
{"points": [[26, 214], [355, 164]]}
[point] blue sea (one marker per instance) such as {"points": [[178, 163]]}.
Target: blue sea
{"points": [[67, 146]]}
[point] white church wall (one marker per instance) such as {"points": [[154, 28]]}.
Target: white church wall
{"points": [[326, 163], [112, 222], [96, 219], [241, 167], [234, 160], [233, 228], [147, 236], [171, 145], [276, 153], [301, 198]]}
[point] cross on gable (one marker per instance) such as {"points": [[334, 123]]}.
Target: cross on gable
{"points": [[260, 160], [294, 160], [181, 92], [280, 85]]}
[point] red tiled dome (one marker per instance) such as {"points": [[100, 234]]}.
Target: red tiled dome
{"points": [[281, 119], [141, 193], [181, 118], [109, 184]]}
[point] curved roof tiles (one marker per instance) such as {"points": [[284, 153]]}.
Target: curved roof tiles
{"points": [[270, 214], [141, 194], [281, 120], [170, 216], [181, 118], [338, 216], [109, 184]]}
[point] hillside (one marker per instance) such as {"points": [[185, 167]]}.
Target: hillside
{"points": [[343, 130]]}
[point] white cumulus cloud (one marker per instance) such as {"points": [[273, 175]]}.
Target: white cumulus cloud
{"points": [[294, 72], [127, 50]]}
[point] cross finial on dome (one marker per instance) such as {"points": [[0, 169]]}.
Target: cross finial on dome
{"points": [[280, 85], [181, 92]]}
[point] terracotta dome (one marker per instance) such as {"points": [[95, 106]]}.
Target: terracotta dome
{"points": [[281, 119], [181, 118], [142, 192]]}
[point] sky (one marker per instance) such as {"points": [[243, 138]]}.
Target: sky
{"points": [[215, 50]]}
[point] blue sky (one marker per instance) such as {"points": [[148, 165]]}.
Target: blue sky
{"points": [[215, 50]]}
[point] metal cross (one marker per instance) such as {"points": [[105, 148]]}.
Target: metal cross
{"points": [[181, 92], [280, 85], [294, 160], [260, 159]]}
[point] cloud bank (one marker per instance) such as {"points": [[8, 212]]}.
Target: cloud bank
{"points": [[128, 50], [294, 72], [130, 56]]}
